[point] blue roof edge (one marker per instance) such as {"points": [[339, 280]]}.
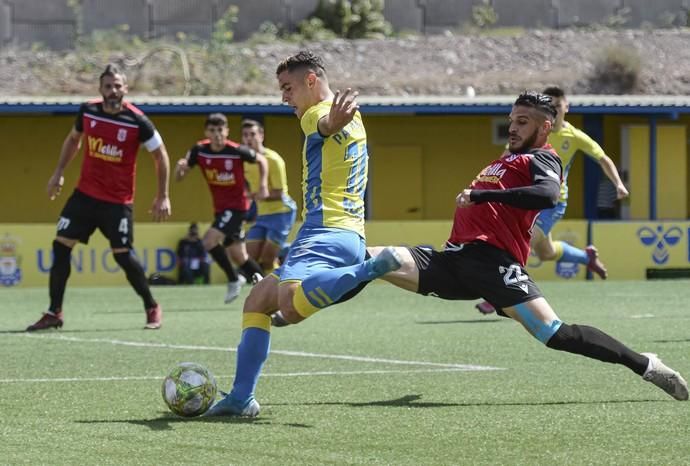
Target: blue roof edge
{"points": [[418, 105]]}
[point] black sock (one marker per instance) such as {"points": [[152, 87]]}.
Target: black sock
{"points": [[59, 273], [135, 277], [249, 268], [218, 254], [595, 344]]}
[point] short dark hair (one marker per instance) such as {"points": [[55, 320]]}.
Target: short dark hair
{"points": [[540, 102], [249, 123], [216, 119], [111, 69], [303, 59], [554, 91]]}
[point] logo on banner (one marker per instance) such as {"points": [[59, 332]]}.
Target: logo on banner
{"points": [[660, 240], [10, 272]]}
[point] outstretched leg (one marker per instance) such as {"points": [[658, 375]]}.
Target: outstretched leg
{"points": [[541, 321]]}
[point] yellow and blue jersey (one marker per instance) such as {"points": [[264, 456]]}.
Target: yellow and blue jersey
{"points": [[277, 179], [567, 142], [334, 172]]}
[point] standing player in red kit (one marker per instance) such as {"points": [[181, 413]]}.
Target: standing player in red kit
{"points": [[112, 129], [490, 242], [221, 162]]}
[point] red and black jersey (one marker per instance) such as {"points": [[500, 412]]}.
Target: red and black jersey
{"points": [[111, 143], [224, 172], [505, 224]]}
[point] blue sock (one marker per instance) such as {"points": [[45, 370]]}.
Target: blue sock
{"points": [[573, 254], [326, 287], [252, 352]]}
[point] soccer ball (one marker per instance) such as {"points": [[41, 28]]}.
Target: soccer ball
{"points": [[189, 389]]}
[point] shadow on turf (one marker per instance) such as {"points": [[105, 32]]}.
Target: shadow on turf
{"points": [[166, 422], [679, 340], [465, 321], [169, 311], [412, 401], [85, 330]]}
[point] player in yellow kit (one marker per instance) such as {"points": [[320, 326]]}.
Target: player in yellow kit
{"points": [[567, 141], [276, 213], [327, 258]]}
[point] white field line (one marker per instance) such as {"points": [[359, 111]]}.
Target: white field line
{"points": [[465, 367], [288, 374]]}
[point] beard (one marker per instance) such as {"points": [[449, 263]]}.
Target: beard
{"points": [[113, 103], [526, 145]]}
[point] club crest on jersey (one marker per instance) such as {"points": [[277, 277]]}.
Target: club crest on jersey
{"points": [[10, 272], [93, 123], [122, 135], [228, 165], [565, 145]]}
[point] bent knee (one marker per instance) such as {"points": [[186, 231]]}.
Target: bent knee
{"points": [[69, 242], [292, 316], [261, 298]]}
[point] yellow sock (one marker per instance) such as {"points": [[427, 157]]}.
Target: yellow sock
{"points": [[257, 320], [558, 247]]}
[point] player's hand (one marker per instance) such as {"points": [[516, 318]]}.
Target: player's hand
{"points": [[343, 110], [181, 168], [54, 187], [261, 194], [160, 210], [463, 199], [621, 192]]}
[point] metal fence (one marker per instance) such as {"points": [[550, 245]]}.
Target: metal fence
{"points": [[56, 24]]}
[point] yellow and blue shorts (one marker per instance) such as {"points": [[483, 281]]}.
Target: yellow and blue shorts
{"points": [[273, 227], [321, 248], [547, 218]]}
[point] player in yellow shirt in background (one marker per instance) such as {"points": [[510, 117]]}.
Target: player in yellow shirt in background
{"points": [[567, 141], [276, 213], [327, 258]]}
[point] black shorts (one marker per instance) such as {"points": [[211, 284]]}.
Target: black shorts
{"points": [[231, 223], [472, 271], [83, 214]]}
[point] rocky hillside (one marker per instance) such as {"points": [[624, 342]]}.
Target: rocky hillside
{"points": [[583, 61]]}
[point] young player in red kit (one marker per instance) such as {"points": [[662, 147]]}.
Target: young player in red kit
{"points": [[490, 242], [222, 164], [112, 130]]}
